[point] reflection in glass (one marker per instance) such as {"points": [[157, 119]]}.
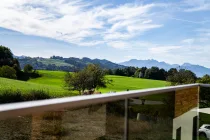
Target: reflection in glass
{"points": [[204, 114], [164, 116], [96, 122], [151, 117]]}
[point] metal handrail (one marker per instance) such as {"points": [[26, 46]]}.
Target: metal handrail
{"points": [[205, 85], [34, 107]]}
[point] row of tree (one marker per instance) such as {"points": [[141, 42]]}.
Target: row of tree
{"points": [[205, 79], [93, 77], [148, 73], [182, 76], [173, 75]]}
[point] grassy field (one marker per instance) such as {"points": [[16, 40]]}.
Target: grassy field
{"points": [[121, 83], [24, 87], [53, 81], [52, 78]]}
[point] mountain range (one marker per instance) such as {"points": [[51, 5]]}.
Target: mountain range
{"points": [[197, 69], [64, 64], [73, 63]]}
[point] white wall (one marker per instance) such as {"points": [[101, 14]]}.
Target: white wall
{"points": [[185, 121]]}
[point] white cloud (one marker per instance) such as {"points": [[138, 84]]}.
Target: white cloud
{"points": [[128, 21], [201, 36], [198, 39], [204, 32], [188, 41], [117, 36], [163, 50], [91, 43], [197, 5], [190, 21], [77, 21], [119, 44]]}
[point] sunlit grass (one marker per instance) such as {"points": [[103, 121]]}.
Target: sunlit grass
{"points": [[53, 83], [121, 83]]}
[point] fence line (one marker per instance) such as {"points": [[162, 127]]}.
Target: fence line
{"points": [[34, 107]]}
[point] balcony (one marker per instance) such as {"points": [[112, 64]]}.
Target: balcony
{"points": [[170, 113]]}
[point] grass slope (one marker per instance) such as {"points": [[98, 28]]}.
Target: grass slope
{"points": [[52, 81], [53, 78], [121, 83]]}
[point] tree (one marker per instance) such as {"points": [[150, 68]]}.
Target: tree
{"points": [[97, 76], [6, 59], [137, 72], [119, 72], [16, 65], [28, 68], [90, 78], [6, 56], [77, 81], [143, 70], [8, 72], [155, 73], [109, 72], [162, 74], [130, 71], [205, 79], [147, 74], [172, 71], [5, 53], [182, 77]]}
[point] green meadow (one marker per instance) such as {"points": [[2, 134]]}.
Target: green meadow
{"points": [[121, 83], [53, 82]]}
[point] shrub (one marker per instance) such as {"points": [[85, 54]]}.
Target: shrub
{"points": [[26, 76], [9, 96], [34, 74], [36, 95], [8, 72], [28, 68]]}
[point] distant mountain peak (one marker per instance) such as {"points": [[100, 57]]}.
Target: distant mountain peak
{"points": [[20, 57], [186, 64], [197, 69]]}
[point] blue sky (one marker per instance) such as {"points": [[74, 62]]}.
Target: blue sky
{"points": [[118, 30]]}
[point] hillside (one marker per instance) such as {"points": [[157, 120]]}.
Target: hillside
{"points": [[24, 87], [52, 81], [65, 64], [71, 64], [197, 69]]}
